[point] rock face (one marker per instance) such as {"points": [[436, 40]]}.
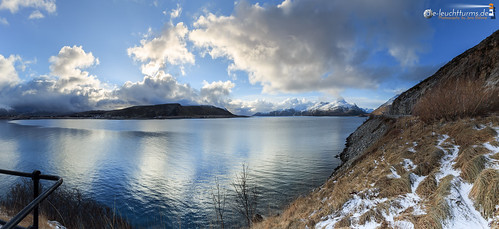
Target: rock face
{"points": [[479, 62], [367, 134], [385, 107], [173, 110]]}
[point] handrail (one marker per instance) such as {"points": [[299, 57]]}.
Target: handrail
{"points": [[38, 198]]}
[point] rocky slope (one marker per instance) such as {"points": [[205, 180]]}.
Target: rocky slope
{"points": [[479, 62], [401, 172]]}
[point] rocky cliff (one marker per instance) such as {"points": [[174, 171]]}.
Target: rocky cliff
{"points": [[401, 172]]}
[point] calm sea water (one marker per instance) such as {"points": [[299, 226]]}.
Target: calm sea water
{"points": [[161, 172]]}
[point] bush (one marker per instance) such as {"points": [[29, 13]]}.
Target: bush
{"points": [[67, 206], [457, 99]]}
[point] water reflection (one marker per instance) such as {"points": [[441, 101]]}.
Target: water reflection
{"points": [[162, 171]]}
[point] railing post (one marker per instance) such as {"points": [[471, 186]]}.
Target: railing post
{"points": [[36, 192]]}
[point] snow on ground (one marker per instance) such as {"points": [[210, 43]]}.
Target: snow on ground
{"points": [[463, 214], [408, 164], [394, 174], [447, 161]]}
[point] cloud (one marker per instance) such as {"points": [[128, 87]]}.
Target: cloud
{"points": [[167, 48], [68, 66], [14, 5], [3, 21], [310, 45], [419, 72], [216, 93], [36, 15], [176, 12], [70, 87], [8, 73], [157, 89], [245, 107]]}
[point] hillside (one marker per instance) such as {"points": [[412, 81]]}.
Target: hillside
{"points": [[480, 63], [436, 169], [415, 176], [173, 110]]}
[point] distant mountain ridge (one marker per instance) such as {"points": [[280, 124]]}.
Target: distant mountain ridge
{"points": [[172, 110], [339, 107], [161, 111]]}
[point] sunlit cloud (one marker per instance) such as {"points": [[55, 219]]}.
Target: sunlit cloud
{"points": [[15, 5], [36, 15], [312, 45]]}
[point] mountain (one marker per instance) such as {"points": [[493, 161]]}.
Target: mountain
{"points": [[162, 111], [402, 171], [339, 107]]}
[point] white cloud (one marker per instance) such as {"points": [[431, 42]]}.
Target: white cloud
{"points": [[68, 66], [167, 48], [4, 21], [36, 15], [310, 45], [8, 73], [157, 89], [216, 93], [176, 12], [70, 60], [14, 5]]}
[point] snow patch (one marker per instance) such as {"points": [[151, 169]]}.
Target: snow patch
{"points": [[408, 164], [394, 174]]}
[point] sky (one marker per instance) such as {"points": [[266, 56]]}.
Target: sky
{"points": [[246, 56]]}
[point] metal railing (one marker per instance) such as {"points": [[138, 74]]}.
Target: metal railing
{"points": [[36, 176]]}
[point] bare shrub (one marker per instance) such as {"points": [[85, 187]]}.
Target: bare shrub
{"points": [[457, 99], [67, 206], [246, 195], [219, 196]]}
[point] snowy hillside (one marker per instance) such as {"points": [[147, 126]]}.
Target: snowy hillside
{"points": [[416, 176]]}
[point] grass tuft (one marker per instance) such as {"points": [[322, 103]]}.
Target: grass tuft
{"points": [[430, 163], [427, 187], [472, 168], [485, 192]]}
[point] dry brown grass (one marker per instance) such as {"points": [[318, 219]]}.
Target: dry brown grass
{"points": [[370, 170], [473, 168], [438, 209], [28, 221], [427, 187], [467, 154], [485, 192], [456, 99], [373, 215], [464, 133], [66, 206], [390, 187], [344, 222]]}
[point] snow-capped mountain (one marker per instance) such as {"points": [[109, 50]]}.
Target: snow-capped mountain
{"points": [[339, 107]]}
